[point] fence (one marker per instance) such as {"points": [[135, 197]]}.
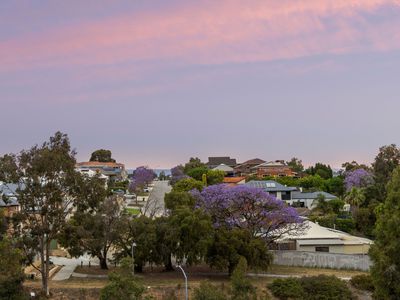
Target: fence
{"points": [[322, 260]]}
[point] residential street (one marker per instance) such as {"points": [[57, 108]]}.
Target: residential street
{"points": [[155, 204]]}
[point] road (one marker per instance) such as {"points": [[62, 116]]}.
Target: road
{"points": [[155, 204]]}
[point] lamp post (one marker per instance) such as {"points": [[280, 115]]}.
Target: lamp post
{"points": [[133, 259], [186, 283]]}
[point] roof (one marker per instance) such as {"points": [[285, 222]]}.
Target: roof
{"points": [[315, 234], [254, 161], [223, 167], [234, 179], [217, 160], [99, 164], [270, 186], [313, 195], [276, 163], [12, 201]]}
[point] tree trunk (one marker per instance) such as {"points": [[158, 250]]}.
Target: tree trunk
{"points": [[139, 268], [43, 265], [47, 269], [103, 263], [168, 264]]}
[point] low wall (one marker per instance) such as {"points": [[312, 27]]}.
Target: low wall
{"points": [[322, 260]]}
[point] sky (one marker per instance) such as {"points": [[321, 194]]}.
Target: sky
{"points": [[157, 81]]}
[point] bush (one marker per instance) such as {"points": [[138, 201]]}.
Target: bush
{"points": [[208, 291], [242, 289], [311, 288], [325, 287], [289, 288], [363, 282]]}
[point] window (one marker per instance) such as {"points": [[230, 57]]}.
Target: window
{"points": [[322, 249], [286, 196]]}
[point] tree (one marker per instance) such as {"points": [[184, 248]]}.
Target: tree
{"points": [[358, 178], [324, 171], [122, 285], [142, 176], [47, 193], [355, 198], [197, 173], [296, 165], [11, 274], [175, 199], [351, 166], [162, 176], [384, 252], [215, 177], [385, 162], [242, 289], [95, 226], [229, 244], [102, 155], [177, 174], [187, 184], [142, 232], [250, 208], [194, 162]]}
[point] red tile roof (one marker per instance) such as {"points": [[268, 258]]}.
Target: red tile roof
{"points": [[234, 179]]}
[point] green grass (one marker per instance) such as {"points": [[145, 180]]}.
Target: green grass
{"points": [[133, 211]]}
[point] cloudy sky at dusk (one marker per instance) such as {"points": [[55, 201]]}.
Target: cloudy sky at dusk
{"points": [[159, 81]]}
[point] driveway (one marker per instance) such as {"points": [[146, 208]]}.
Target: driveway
{"points": [[69, 265], [154, 206]]}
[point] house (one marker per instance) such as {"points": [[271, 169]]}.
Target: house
{"points": [[274, 188], [227, 169], [308, 200], [273, 168], [8, 200], [245, 169], [233, 181], [316, 238], [114, 171], [214, 162]]}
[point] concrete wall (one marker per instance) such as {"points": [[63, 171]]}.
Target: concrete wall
{"points": [[322, 260]]}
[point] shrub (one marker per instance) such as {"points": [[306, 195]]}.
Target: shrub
{"points": [[325, 287], [208, 291], [311, 288], [363, 282], [242, 289], [289, 288]]}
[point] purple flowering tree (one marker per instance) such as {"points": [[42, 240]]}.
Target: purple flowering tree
{"points": [[177, 173], [249, 208], [358, 178], [141, 178]]}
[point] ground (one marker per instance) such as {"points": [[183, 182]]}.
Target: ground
{"points": [[160, 283]]}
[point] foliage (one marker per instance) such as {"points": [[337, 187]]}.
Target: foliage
{"points": [[242, 289], [94, 227], [142, 176], [324, 171], [333, 221], [122, 285], [325, 287], [11, 274], [215, 177], [351, 166], [193, 163], [102, 155], [47, 193], [197, 173], [287, 289], [296, 165], [162, 176], [384, 252], [355, 197], [177, 173], [385, 162], [365, 219], [363, 282], [358, 178], [187, 184], [311, 288], [176, 199], [228, 245], [248, 208], [208, 291]]}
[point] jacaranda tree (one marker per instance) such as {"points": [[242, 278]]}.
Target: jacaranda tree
{"points": [[141, 177], [359, 178], [249, 208]]}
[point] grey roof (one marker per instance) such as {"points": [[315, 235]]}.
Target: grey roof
{"points": [[8, 190], [217, 160], [270, 186], [11, 201], [313, 195]]}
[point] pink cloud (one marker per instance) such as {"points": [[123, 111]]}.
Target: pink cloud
{"points": [[212, 32]]}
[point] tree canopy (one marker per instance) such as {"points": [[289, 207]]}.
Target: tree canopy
{"points": [[102, 155]]}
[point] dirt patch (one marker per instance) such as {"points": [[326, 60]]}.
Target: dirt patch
{"points": [[94, 270]]}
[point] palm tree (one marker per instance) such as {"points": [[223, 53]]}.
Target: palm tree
{"points": [[355, 198]]}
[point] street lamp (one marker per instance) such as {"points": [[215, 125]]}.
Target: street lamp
{"points": [[133, 260], [186, 283]]}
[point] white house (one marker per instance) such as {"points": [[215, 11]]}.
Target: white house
{"points": [[308, 200]]}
